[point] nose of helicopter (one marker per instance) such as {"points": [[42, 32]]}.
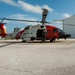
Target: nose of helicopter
{"points": [[64, 35]]}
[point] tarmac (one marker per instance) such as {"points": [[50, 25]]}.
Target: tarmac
{"points": [[35, 58]]}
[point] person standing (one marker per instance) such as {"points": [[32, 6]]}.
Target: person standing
{"points": [[43, 36]]}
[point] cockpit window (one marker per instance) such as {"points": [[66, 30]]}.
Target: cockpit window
{"points": [[61, 31]]}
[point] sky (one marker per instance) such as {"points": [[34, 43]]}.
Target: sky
{"points": [[32, 10]]}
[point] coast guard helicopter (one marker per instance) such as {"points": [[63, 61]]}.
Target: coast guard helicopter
{"points": [[41, 32]]}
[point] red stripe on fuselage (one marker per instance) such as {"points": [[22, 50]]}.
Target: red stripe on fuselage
{"points": [[18, 35]]}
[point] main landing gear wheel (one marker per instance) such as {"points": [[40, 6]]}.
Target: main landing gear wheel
{"points": [[23, 40], [51, 40]]}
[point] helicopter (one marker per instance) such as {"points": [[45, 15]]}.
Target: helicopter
{"points": [[41, 31]]}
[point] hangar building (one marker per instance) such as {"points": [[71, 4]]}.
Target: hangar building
{"points": [[69, 26]]}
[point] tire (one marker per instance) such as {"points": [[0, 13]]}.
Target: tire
{"points": [[23, 40], [54, 39], [51, 40], [65, 38]]}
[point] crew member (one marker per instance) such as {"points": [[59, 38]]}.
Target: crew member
{"points": [[43, 36]]}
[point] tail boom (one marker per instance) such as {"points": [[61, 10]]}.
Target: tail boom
{"points": [[2, 30]]}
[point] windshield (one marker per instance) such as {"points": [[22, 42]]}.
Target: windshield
{"points": [[60, 31]]}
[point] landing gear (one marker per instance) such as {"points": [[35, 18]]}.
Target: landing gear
{"points": [[23, 40], [52, 40], [65, 38]]}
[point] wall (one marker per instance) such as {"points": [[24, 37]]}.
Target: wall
{"points": [[69, 26]]}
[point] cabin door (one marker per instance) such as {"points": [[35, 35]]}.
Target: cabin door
{"points": [[39, 33]]}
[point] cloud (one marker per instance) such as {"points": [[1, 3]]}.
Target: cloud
{"points": [[48, 8], [26, 6], [18, 16], [33, 8], [10, 2], [66, 15]]}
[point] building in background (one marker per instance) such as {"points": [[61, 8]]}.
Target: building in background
{"points": [[69, 26]]}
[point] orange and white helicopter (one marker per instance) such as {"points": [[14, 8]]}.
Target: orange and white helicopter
{"points": [[41, 32]]}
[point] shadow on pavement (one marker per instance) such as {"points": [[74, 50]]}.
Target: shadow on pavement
{"points": [[6, 45]]}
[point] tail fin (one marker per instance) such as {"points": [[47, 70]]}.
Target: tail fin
{"points": [[2, 30]]}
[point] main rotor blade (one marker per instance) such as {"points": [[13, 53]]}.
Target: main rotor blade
{"points": [[2, 20], [44, 15], [57, 20], [24, 20], [19, 20], [47, 22]]}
